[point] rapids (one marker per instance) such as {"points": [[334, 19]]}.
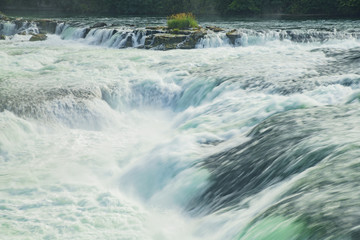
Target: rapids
{"points": [[255, 141]]}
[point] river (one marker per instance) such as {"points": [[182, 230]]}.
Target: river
{"points": [[255, 141]]}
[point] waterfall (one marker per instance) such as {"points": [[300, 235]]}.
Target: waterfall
{"points": [[253, 135], [7, 28]]}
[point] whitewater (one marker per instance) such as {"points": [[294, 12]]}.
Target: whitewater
{"points": [[260, 140]]}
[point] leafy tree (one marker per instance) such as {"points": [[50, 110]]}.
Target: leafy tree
{"points": [[245, 6], [167, 7]]}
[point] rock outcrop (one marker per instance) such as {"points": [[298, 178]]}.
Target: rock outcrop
{"points": [[215, 29], [173, 39], [38, 37], [99, 25], [234, 36], [154, 37]]}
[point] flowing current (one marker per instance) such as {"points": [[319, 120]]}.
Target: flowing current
{"points": [[255, 141]]}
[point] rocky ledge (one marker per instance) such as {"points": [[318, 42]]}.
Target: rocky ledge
{"points": [[38, 37], [162, 38], [3, 17], [157, 38]]}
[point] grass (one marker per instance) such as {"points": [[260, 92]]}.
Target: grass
{"points": [[182, 21]]}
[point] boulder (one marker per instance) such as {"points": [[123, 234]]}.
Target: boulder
{"points": [[2, 37], [174, 39], [166, 41], [38, 37], [233, 36], [215, 29], [86, 32], [148, 41], [99, 25], [192, 39]]}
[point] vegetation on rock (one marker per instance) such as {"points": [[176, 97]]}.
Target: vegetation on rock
{"points": [[182, 21]]}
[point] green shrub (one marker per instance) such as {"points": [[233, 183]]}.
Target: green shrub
{"points": [[182, 21]]}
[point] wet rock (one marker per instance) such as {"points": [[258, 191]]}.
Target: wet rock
{"points": [[2, 37], [19, 23], [114, 32], [3, 17], [192, 39], [166, 41], [86, 32], [148, 41], [128, 42], [38, 37], [156, 37], [152, 32], [155, 30], [215, 29], [234, 36], [46, 26], [99, 25], [174, 39]]}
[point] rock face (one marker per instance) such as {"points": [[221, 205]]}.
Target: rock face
{"points": [[234, 37], [38, 37], [99, 25], [215, 29], [165, 41], [128, 42], [193, 39], [153, 37], [173, 39]]}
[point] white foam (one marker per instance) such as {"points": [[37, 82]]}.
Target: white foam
{"points": [[105, 143]]}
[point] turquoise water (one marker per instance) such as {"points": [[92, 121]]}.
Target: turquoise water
{"points": [[258, 141]]}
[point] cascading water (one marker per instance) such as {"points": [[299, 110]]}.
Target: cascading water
{"points": [[116, 35], [8, 28], [258, 141]]}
